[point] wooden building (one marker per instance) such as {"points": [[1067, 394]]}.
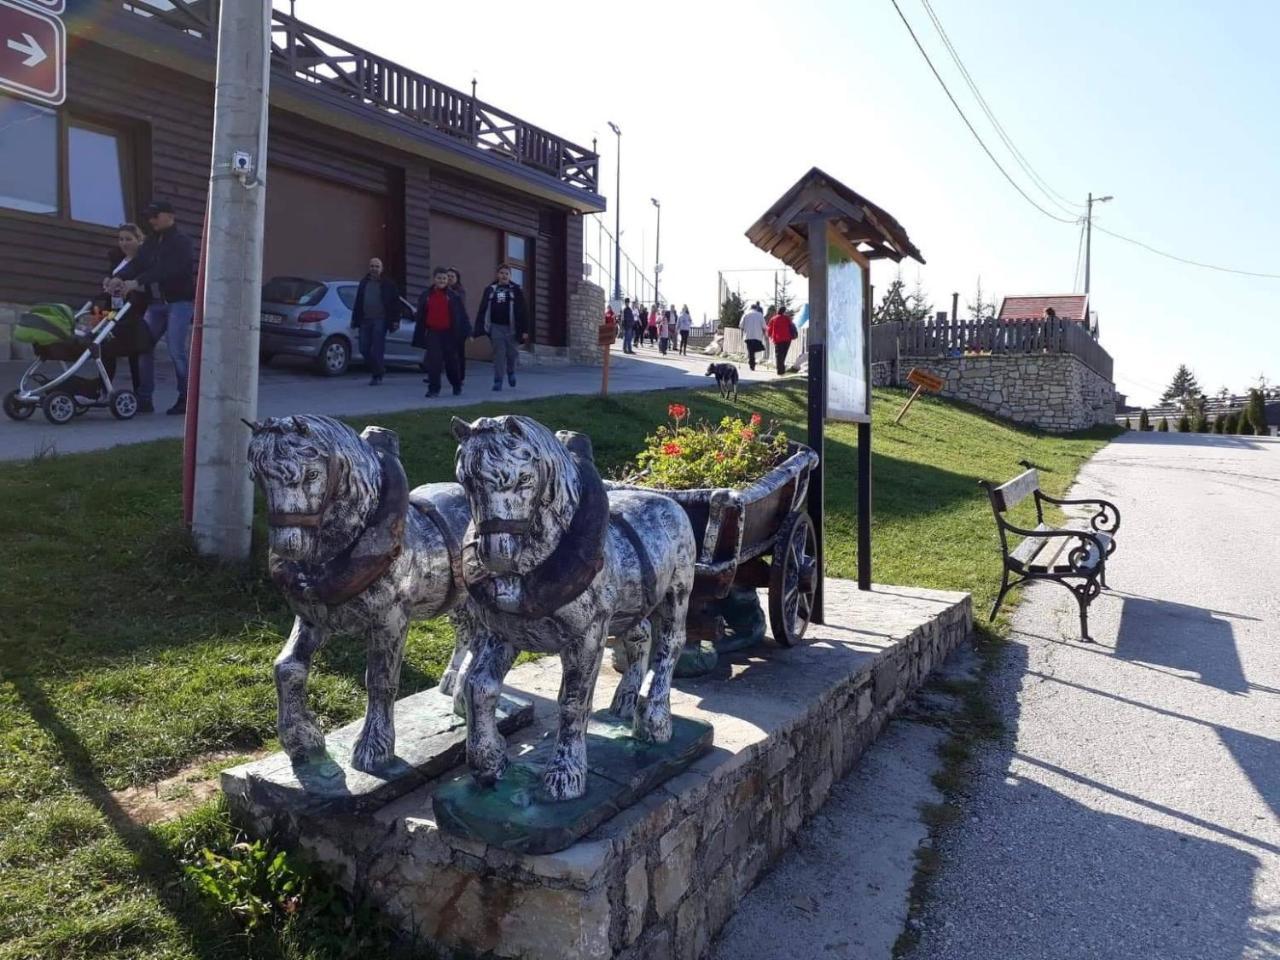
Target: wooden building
{"points": [[365, 157]]}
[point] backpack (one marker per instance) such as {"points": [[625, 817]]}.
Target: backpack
{"points": [[791, 328]]}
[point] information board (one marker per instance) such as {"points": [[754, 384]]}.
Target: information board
{"points": [[848, 392]]}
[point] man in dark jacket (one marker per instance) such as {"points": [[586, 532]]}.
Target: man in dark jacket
{"points": [[628, 326], [375, 313], [502, 304], [168, 275], [440, 328]]}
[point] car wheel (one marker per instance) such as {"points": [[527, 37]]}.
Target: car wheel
{"points": [[335, 357], [124, 404], [59, 407], [15, 409]]}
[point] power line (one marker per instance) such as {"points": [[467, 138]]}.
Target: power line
{"points": [[991, 156], [1052, 195], [1193, 263]]}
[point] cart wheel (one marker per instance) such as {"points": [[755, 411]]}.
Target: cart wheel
{"points": [[124, 404], [15, 409], [793, 580], [59, 407]]}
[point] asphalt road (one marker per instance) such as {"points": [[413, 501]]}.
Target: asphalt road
{"points": [[1133, 810]]}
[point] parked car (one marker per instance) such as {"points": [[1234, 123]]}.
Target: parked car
{"points": [[312, 318]]}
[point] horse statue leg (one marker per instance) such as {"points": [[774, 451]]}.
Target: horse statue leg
{"points": [[566, 775], [653, 707], [486, 747], [634, 645], [376, 745], [451, 681], [299, 734]]}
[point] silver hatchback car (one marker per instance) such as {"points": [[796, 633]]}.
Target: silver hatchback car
{"points": [[312, 318]]}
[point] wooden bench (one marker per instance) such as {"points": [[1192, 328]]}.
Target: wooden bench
{"points": [[1077, 559]]}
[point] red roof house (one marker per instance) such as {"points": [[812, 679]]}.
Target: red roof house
{"points": [[1067, 306]]}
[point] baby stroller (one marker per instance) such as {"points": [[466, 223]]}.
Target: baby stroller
{"points": [[76, 342]]}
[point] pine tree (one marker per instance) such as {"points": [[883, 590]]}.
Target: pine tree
{"points": [[1219, 423], [1201, 422], [1183, 386], [1127, 424], [1184, 424], [894, 305], [1243, 427], [918, 304], [1256, 411], [1144, 422], [980, 309], [1230, 422], [732, 309], [1164, 425]]}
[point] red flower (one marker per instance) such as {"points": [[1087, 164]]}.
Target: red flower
{"points": [[719, 454], [671, 449], [756, 419], [677, 411], [748, 433]]}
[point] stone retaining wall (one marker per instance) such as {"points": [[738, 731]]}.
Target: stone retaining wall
{"points": [[659, 879], [1055, 392], [586, 313]]}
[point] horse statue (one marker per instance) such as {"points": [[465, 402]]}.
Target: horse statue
{"points": [[555, 564], [355, 552]]}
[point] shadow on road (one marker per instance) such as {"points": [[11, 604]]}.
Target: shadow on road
{"points": [[1183, 637]]}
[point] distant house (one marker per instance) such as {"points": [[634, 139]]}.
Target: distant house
{"points": [[1066, 306]]}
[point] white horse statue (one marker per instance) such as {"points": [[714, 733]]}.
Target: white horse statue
{"points": [[555, 564], [355, 552]]}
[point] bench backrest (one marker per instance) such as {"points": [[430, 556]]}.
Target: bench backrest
{"points": [[1009, 495]]}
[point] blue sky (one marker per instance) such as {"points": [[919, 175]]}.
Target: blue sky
{"points": [[1170, 107]]}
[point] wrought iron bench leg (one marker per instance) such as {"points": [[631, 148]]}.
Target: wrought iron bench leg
{"points": [[1084, 596], [1004, 588]]}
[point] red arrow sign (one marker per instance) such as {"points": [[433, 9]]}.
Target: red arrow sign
{"points": [[33, 54]]}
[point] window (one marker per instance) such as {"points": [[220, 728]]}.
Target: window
{"points": [[348, 296], [516, 248], [29, 145], [60, 165], [517, 257]]}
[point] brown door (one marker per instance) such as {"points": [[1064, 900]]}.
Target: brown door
{"points": [[319, 229], [474, 249]]}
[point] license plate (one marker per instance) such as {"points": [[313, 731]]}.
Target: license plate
{"points": [[273, 318]]}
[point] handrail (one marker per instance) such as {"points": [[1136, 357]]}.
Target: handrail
{"points": [[314, 56]]}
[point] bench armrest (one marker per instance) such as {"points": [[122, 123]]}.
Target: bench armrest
{"points": [[1105, 520], [1077, 555]]}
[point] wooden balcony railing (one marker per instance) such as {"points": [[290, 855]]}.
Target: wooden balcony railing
{"points": [[958, 338], [313, 56]]}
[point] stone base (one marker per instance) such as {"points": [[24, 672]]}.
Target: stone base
{"points": [[661, 877]]}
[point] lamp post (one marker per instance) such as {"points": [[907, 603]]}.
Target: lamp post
{"points": [[657, 253], [617, 222], [1088, 235]]}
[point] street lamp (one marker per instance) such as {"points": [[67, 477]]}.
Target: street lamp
{"points": [[657, 253], [1088, 236], [617, 222]]}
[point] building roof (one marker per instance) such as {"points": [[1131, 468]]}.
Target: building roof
{"points": [[783, 230], [1068, 306]]}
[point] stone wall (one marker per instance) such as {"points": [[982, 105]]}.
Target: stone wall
{"points": [[884, 373], [1055, 392], [586, 313]]}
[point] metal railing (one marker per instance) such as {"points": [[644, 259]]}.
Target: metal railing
{"points": [[313, 56], [960, 338]]}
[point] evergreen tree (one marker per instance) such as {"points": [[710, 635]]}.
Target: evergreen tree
{"points": [[980, 308], [1256, 411], [1219, 423], [783, 300], [894, 305], [732, 309], [1201, 422], [1243, 427], [1184, 424], [1144, 422], [1230, 422], [918, 304], [1183, 386], [1127, 424], [1164, 425]]}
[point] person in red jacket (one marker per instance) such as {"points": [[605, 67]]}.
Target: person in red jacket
{"points": [[781, 331]]}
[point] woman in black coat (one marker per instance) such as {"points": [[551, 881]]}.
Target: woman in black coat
{"points": [[131, 338]]}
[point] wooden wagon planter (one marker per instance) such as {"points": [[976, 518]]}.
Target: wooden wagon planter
{"points": [[759, 536]]}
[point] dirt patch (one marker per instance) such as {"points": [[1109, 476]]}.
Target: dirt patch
{"points": [[180, 793]]}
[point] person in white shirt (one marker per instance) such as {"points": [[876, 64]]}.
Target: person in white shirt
{"points": [[752, 327], [684, 324]]}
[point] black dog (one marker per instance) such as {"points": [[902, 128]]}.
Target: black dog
{"points": [[726, 375]]}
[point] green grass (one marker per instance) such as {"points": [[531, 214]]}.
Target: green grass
{"points": [[124, 657]]}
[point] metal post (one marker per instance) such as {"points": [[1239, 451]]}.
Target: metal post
{"points": [[817, 440], [864, 506], [955, 307], [223, 511], [1088, 239], [617, 219], [657, 252]]}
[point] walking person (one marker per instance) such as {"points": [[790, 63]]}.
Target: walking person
{"points": [[502, 306], [664, 331], [684, 326], [168, 276], [455, 284], [651, 325], [753, 333], [132, 338], [781, 332], [628, 326], [375, 313], [440, 323]]}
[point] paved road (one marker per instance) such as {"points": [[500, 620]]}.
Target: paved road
{"points": [[1134, 811], [290, 389]]}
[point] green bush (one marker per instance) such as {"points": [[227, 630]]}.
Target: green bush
{"points": [[1230, 422], [1245, 428], [1127, 424], [1184, 424], [1164, 425], [1201, 423], [1144, 422], [1256, 412], [1219, 422]]}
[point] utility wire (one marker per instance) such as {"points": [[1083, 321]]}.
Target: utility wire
{"points": [[1050, 194], [1193, 263], [991, 156]]}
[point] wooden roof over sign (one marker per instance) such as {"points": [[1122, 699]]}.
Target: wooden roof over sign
{"points": [[784, 229]]}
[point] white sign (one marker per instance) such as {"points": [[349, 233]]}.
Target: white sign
{"points": [[848, 396]]}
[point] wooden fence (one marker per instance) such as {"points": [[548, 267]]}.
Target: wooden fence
{"points": [[968, 338]]}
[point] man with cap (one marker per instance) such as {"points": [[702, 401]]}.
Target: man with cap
{"points": [[168, 274]]}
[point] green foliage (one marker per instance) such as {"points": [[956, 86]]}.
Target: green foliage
{"points": [[1219, 422], [251, 882], [1144, 421], [1184, 424], [734, 453], [1230, 422], [1164, 425], [1182, 386], [981, 308], [732, 309], [1201, 422], [1127, 424], [1256, 411], [1243, 427], [897, 304]]}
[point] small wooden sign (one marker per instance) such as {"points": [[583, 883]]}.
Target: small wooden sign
{"points": [[921, 380], [608, 334]]}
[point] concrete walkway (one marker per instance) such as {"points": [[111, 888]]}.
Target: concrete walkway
{"points": [[1134, 809], [285, 389]]}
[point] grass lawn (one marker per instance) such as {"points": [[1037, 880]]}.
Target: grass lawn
{"points": [[124, 658]]}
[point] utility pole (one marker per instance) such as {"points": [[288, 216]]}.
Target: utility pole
{"points": [[1088, 235], [617, 218], [955, 307], [657, 252], [223, 513]]}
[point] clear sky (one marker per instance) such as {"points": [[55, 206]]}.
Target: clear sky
{"points": [[1170, 107]]}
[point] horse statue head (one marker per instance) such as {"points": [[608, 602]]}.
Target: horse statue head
{"points": [[321, 483], [523, 488]]}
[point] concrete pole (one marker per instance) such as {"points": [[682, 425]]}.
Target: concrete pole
{"points": [[1088, 241], [223, 516]]}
